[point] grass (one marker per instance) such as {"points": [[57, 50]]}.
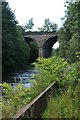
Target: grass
{"points": [[64, 105]]}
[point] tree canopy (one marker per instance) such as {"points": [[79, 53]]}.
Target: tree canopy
{"points": [[69, 33], [29, 25], [48, 26], [15, 51]]}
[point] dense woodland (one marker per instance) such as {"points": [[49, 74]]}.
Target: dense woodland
{"points": [[16, 52], [63, 66]]}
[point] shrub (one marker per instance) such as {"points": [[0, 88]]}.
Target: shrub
{"points": [[14, 99], [51, 69]]}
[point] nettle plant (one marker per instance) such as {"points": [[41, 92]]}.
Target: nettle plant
{"points": [[51, 69], [56, 69]]}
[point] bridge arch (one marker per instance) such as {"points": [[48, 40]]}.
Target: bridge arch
{"points": [[45, 41], [47, 46], [29, 39], [34, 49]]}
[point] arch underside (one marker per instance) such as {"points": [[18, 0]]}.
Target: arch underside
{"points": [[47, 47], [28, 39]]}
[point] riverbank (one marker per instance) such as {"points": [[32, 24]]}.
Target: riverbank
{"points": [[49, 70]]}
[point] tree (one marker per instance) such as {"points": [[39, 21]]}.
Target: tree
{"points": [[9, 35], [22, 50], [15, 51], [29, 25], [33, 51], [69, 34], [48, 26]]}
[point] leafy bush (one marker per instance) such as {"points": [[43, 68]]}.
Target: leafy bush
{"points": [[14, 99], [72, 73], [51, 69], [56, 69]]}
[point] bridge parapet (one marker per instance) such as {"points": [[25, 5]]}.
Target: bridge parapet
{"points": [[38, 105], [39, 33]]}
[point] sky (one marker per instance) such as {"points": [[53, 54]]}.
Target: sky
{"points": [[39, 10]]}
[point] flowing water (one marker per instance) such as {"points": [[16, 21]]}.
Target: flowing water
{"points": [[23, 78]]}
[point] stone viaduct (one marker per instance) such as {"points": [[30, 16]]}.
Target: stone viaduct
{"points": [[45, 41]]}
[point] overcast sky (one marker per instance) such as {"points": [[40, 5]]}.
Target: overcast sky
{"points": [[39, 10]]}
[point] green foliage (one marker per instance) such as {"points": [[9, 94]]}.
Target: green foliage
{"points": [[29, 25], [69, 35], [74, 47], [56, 69], [48, 26], [14, 99], [16, 52], [8, 33], [72, 73], [33, 51], [16, 55], [22, 50], [55, 52], [64, 105], [49, 70]]}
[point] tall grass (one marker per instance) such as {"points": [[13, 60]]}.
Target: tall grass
{"points": [[64, 105]]}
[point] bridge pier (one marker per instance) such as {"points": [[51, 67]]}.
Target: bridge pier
{"points": [[40, 51]]}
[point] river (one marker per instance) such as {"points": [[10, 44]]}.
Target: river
{"points": [[23, 77]]}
